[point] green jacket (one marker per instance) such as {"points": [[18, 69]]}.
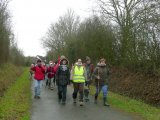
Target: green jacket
{"points": [[103, 72]]}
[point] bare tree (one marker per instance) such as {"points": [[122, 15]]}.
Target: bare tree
{"points": [[4, 31], [137, 27], [61, 32]]}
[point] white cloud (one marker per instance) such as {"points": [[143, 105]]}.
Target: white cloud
{"points": [[32, 18]]}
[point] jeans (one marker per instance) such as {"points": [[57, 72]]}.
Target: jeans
{"points": [[62, 91], [103, 88], [37, 87], [78, 87]]}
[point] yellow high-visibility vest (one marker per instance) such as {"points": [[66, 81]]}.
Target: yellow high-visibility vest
{"points": [[78, 75]]}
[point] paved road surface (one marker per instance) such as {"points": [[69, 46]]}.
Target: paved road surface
{"points": [[48, 108]]}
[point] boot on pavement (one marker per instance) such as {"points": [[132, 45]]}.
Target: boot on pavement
{"points": [[74, 101], [105, 102], [63, 102], [95, 99], [87, 99], [81, 103], [59, 100]]}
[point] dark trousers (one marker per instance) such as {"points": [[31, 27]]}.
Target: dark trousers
{"points": [[62, 91], [78, 87], [86, 89]]}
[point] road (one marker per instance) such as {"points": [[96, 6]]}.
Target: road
{"points": [[48, 108]]}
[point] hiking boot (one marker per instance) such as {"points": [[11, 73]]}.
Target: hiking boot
{"points": [[81, 103], [59, 100], [95, 100], [52, 88], [63, 102], [105, 102], [86, 99], [38, 97], [35, 97], [74, 101]]}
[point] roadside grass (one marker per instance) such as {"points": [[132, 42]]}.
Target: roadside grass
{"points": [[8, 75], [16, 102], [127, 104]]}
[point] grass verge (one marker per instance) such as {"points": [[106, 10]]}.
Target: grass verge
{"points": [[8, 75], [127, 104], [15, 104]]}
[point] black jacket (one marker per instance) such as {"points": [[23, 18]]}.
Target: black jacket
{"points": [[63, 75]]}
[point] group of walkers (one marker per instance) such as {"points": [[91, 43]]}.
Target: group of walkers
{"points": [[80, 74]]}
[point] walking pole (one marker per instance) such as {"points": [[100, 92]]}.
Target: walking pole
{"points": [[98, 81]]}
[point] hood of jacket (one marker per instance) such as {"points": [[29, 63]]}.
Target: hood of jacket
{"points": [[67, 63], [101, 65]]}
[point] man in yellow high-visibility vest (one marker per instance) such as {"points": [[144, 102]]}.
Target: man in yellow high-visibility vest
{"points": [[79, 77]]}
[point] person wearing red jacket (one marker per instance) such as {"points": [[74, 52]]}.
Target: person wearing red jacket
{"points": [[39, 73], [51, 75]]}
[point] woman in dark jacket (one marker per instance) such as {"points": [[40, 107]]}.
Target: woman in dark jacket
{"points": [[62, 79], [101, 75]]}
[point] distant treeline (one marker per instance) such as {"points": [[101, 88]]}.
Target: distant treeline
{"points": [[9, 52], [125, 32]]}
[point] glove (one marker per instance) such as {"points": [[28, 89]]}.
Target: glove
{"points": [[71, 81], [86, 83]]}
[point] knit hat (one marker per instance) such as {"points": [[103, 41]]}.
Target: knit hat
{"points": [[62, 57], [50, 62], [102, 59], [88, 58], [39, 60]]}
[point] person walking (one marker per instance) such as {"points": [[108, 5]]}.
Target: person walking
{"points": [[62, 80], [51, 75], [39, 73], [101, 75], [46, 75], [89, 70], [79, 78]]}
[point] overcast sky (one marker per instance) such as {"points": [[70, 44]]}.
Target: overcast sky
{"points": [[32, 18]]}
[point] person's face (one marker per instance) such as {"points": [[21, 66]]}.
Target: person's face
{"points": [[32, 65], [103, 62], [39, 63], [51, 65], [64, 62], [43, 63], [79, 61], [88, 61]]}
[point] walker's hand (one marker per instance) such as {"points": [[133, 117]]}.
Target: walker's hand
{"points": [[98, 77], [71, 81]]}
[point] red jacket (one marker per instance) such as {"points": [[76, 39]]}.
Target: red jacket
{"points": [[57, 65], [39, 72], [50, 72]]}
